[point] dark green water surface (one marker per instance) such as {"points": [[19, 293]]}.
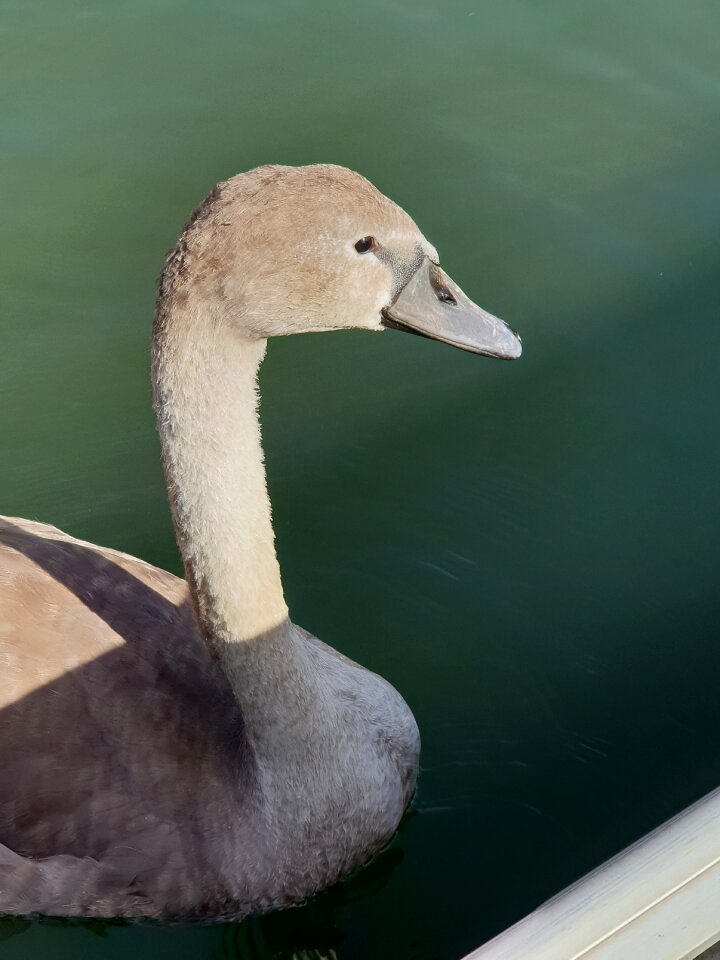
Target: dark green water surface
{"points": [[528, 551]]}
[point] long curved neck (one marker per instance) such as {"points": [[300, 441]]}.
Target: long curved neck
{"points": [[206, 399]]}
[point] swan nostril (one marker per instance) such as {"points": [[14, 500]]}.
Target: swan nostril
{"points": [[443, 294], [441, 289]]}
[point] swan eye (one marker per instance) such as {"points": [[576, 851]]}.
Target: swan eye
{"points": [[366, 244]]}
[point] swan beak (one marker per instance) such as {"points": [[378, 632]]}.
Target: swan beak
{"points": [[431, 305]]}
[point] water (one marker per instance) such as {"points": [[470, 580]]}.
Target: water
{"points": [[528, 551]]}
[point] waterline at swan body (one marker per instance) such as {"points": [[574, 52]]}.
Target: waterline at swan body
{"points": [[179, 748]]}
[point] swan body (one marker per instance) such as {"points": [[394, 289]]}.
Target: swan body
{"points": [[179, 748]]}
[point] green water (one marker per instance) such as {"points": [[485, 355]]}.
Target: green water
{"points": [[528, 551]]}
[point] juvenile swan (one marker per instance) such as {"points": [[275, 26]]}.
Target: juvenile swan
{"points": [[179, 748]]}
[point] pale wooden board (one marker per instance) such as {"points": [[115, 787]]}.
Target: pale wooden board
{"points": [[659, 899]]}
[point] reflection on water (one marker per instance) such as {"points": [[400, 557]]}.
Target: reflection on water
{"points": [[528, 551], [313, 932]]}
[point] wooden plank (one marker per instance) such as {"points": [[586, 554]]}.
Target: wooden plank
{"points": [[658, 899]]}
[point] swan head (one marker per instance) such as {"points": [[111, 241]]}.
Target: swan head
{"points": [[301, 249]]}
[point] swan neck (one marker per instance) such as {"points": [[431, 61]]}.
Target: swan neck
{"points": [[206, 400]]}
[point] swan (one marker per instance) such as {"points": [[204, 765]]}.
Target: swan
{"points": [[177, 748]]}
